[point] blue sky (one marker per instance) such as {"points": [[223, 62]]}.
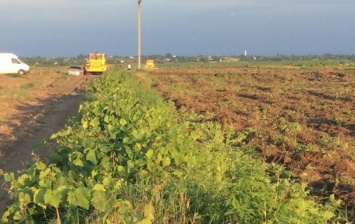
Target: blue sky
{"points": [[182, 27]]}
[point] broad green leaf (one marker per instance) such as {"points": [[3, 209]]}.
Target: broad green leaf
{"points": [[44, 173], [150, 165], [123, 122], [45, 183], [24, 199], [105, 163], [137, 147], [95, 122], [5, 216], [91, 156], [179, 158], [118, 184], [38, 197], [40, 165], [145, 221], [107, 119], [135, 134], [85, 125], [166, 162], [22, 179], [65, 132], [130, 164], [99, 187], [17, 216], [126, 140], [129, 152], [99, 200], [76, 159], [53, 197], [79, 197], [149, 154], [148, 212], [9, 177], [120, 169], [94, 173], [107, 180]]}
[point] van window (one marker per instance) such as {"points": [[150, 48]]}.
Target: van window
{"points": [[15, 61]]}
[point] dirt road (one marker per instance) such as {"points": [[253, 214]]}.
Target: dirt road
{"points": [[32, 108]]}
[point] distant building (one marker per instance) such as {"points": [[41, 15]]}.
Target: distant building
{"points": [[231, 59]]}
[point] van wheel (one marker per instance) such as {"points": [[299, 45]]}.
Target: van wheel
{"points": [[21, 72]]}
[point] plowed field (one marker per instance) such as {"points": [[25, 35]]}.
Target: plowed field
{"points": [[301, 118]]}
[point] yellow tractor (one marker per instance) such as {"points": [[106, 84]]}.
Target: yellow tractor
{"points": [[95, 64], [149, 64]]}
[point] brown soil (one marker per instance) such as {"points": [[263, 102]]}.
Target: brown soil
{"points": [[303, 119], [33, 107]]}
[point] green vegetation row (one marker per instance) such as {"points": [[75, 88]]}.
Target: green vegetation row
{"points": [[131, 157]]}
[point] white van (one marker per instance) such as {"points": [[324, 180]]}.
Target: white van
{"points": [[10, 63]]}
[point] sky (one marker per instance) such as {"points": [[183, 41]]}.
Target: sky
{"points": [[59, 28]]}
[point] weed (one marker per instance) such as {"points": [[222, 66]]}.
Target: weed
{"points": [[27, 86], [15, 75], [4, 118], [37, 145]]}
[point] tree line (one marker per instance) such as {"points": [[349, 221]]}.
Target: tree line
{"points": [[170, 58]]}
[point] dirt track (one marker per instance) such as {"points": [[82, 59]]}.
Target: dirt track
{"points": [[33, 107]]}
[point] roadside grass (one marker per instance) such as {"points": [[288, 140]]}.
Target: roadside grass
{"points": [[37, 145], [5, 118], [27, 86], [22, 91], [15, 75]]}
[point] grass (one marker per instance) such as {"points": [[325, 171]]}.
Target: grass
{"points": [[27, 86], [4, 118], [15, 75], [21, 92], [37, 145]]}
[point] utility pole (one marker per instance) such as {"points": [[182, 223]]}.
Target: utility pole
{"points": [[139, 33]]}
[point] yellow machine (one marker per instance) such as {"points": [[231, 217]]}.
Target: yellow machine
{"points": [[149, 64], [95, 64]]}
